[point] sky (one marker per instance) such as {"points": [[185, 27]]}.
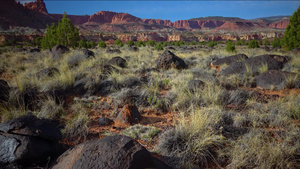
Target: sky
{"points": [[176, 10]]}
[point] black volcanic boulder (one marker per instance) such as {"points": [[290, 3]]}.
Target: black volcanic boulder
{"points": [[28, 140], [111, 50], [47, 72], [58, 50], [168, 60], [112, 152], [253, 65], [88, 53], [118, 61], [276, 79], [34, 50], [4, 90], [228, 60]]}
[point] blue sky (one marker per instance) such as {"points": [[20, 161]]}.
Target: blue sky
{"points": [[176, 10]]}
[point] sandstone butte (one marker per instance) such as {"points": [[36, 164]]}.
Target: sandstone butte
{"points": [[36, 16]]}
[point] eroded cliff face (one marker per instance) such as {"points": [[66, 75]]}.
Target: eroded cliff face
{"points": [[103, 17], [38, 6]]}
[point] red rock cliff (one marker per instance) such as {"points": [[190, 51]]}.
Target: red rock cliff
{"points": [[112, 17], [38, 6]]}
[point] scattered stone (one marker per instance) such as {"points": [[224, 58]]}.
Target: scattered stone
{"points": [[128, 115], [134, 48], [4, 90], [131, 82], [169, 60], [35, 50], [28, 140], [103, 121], [252, 65], [277, 80], [108, 69], [48, 72], [228, 60], [88, 53], [118, 61], [117, 152], [110, 50], [58, 50]]}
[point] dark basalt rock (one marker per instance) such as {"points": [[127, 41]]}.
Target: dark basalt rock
{"points": [[58, 50], [168, 60], [112, 152], [118, 61], [276, 79]]}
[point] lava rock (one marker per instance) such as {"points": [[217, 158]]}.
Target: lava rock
{"points": [[168, 60], [128, 115], [110, 50], [117, 152], [28, 140], [253, 65], [118, 61], [276, 79], [58, 50], [228, 60], [88, 53], [103, 121]]}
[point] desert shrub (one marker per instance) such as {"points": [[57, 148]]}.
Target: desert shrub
{"points": [[65, 33], [276, 43], [266, 42], [230, 47], [291, 38], [139, 44], [91, 44], [102, 44], [253, 44], [241, 42], [139, 131], [193, 143], [150, 43], [118, 42], [158, 46], [76, 128], [130, 43], [82, 44], [212, 44]]}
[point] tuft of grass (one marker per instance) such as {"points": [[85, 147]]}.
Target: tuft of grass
{"points": [[258, 149], [263, 68], [76, 128], [193, 142], [139, 131]]}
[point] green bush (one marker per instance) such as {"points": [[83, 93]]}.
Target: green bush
{"points": [[118, 42], [212, 44], [150, 43], [276, 43], [253, 44], [140, 44], [130, 43], [102, 44], [65, 33], [158, 46], [82, 44], [91, 44], [266, 42], [230, 47], [291, 38]]}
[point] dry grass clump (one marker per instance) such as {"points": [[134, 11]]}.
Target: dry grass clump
{"points": [[259, 149], [193, 143], [76, 127], [139, 131]]}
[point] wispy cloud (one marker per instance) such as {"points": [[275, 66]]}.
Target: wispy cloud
{"points": [[25, 1]]}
